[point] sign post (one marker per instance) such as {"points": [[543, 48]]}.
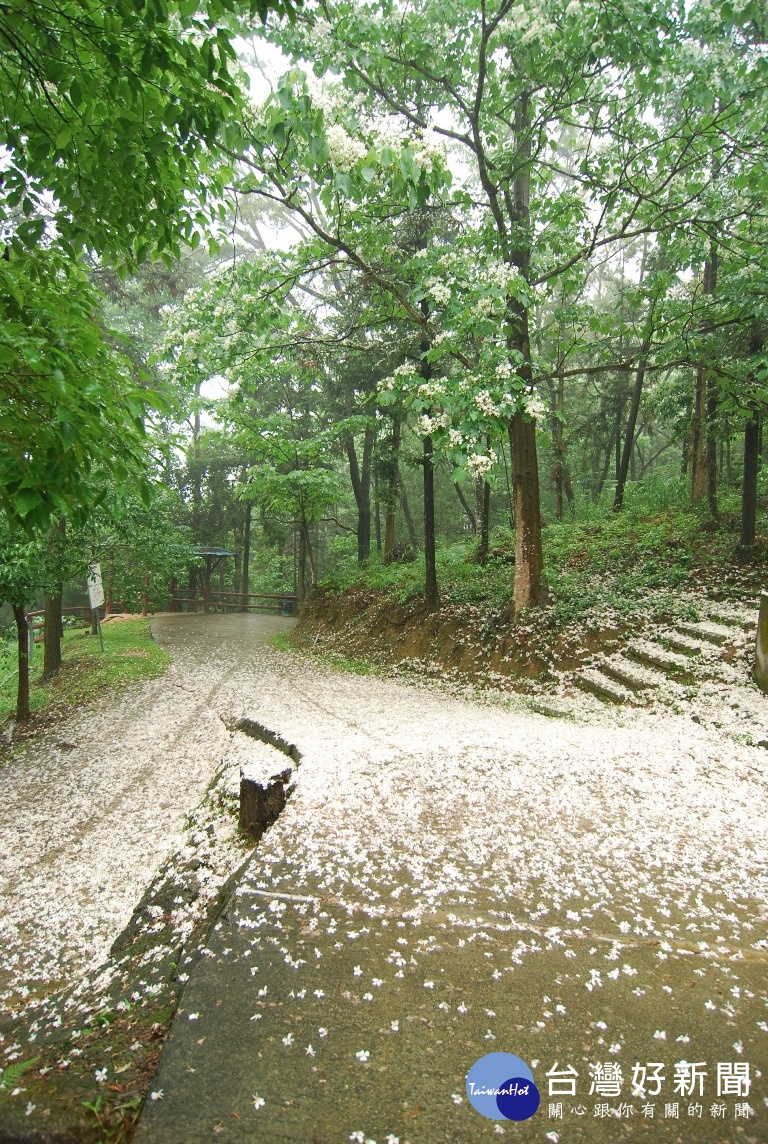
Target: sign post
{"points": [[96, 597]]}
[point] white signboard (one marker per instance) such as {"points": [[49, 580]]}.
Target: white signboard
{"points": [[95, 587]]}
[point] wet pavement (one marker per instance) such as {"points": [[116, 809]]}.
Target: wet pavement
{"points": [[453, 878]]}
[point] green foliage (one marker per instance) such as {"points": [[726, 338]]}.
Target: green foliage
{"points": [[71, 418], [114, 111]]}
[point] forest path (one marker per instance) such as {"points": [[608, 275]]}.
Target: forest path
{"points": [[453, 877]]}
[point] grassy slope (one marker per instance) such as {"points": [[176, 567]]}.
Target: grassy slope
{"points": [[86, 673], [608, 574]]}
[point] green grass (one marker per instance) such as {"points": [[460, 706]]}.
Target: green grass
{"points": [[86, 672]]}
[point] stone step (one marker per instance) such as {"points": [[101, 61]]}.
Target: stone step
{"points": [[686, 645], [745, 623], [626, 673], [592, 680], [656, 656], [712, 633]]}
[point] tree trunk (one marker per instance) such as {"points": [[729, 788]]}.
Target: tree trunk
{"points": [[409, 522], [301, 569], [55, 541], [482, 506], [377, 509], [466, 506], [629, 436], [530, 588], [703, 459], [22, 639], [749, 483], [560, 475], [391, 473], [245, 586], [361, 487], [52, 635], [430, 577]]}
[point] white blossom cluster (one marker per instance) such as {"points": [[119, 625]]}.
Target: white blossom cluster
{"points": [[428, 150], [396, 378], [485, 403], [431, 389], [438, 291], [534, 406], [482, 463], [344, 151], [429, 425], [501, 275]]}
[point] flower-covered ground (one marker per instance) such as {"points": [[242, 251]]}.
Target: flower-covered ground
{"points": [[452, 876]]}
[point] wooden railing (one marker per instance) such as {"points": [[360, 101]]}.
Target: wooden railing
{"points": [[283, 603]]}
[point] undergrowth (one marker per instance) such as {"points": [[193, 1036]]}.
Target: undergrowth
{"points": [[651, 551]]}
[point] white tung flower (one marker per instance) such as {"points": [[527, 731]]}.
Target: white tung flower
{"points": [[362, 1055], [438, 291], [344, 151]]}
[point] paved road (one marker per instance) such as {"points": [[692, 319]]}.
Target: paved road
{"points": [[453, 878]]}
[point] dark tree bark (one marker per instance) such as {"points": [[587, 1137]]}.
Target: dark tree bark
{"points": [[430, 575], [391, 476], [53, 625], [749, 482], [561, 476], [629, 436], [466, 506], [530, 589], [245, 584], [530, 586], [703, 451], [360, 476], [752, 435], [408, 515], [52, 635], [482, 512], [22, 639]]}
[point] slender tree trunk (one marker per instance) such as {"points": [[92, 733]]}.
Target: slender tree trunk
{"points": [[391, 473], [53, 620], [530, 589], [466, 506], [749, 482], [629, 436], [703, 459], [246, 586], [308, 548], [482, 506], [413, 536], [430, 577], [22, 639], [560, 474], [752, 434], [52, 635], [430, 562], [361, 487], [377, 508], [301, 568]]}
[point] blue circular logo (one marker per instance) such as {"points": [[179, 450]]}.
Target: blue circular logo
{"points": [[500, 1087], [518, 1098]]}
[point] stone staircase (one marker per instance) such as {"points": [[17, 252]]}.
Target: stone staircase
{"points": [[667, 664]]}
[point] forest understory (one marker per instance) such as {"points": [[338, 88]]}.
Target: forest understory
{"points": [[610, 582]]}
